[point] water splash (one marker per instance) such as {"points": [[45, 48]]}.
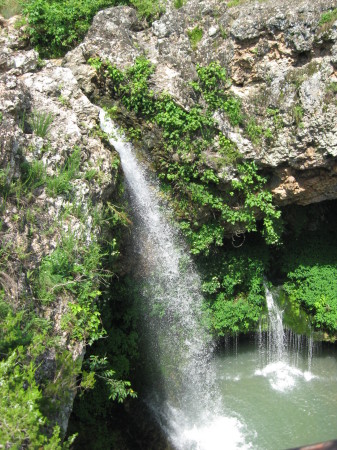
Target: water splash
{"points": [[183, 395], [282, 351], [283, 377]]}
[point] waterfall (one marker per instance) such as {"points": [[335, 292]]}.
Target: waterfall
{"points": [[276, 336], [282, 350], [183, 395]]}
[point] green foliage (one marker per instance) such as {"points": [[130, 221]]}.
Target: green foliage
{"points": [[254, 131], [233, 288], [195, 36], [55, 26], [23, 339], [178, 3], [191, 133], [311, 267], [149, 9], [228, 149], [316, 289], [136, 96], [213, 84], [21, 420], [40, 123], [74, 270], [118, 390], [328, 18]]}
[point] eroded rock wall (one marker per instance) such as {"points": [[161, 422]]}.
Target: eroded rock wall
{"points": [[282, 61], [44, 118]]}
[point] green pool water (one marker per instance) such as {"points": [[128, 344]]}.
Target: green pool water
{"points": [[280, 403]]}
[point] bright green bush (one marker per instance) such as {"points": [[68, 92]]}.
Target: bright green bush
{"points": [[310, 264], [233, 288], [55, 26], [315, 288], [21, 419]]}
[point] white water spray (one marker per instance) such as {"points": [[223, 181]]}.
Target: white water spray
{"points": [[184, 397]]}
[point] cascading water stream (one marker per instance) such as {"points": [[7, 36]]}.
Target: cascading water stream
{"points": [[184, 396], [276, 335], [281, 351]]}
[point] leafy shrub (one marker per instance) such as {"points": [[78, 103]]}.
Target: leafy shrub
{"points": [[55, 26], [315, 288], [21, 419], [233, 288]]}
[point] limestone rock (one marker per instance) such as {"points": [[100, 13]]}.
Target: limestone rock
{"points": [[44, 118], [278, 56]]}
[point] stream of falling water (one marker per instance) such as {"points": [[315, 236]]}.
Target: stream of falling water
{"points": [[184, 396], [252, 397], [280, 353]]}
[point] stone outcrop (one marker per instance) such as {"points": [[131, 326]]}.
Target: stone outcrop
{"points": [[283, 66], [32, 223]]}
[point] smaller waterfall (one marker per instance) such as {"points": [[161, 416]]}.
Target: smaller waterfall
{"points": [[276, 335], [281, 349]]}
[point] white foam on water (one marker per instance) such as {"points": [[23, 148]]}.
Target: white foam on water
{"points": [[283, 377], [215, 433]]}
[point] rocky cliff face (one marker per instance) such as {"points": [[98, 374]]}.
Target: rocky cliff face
{"points": [[282, 60], [44, 120]]}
